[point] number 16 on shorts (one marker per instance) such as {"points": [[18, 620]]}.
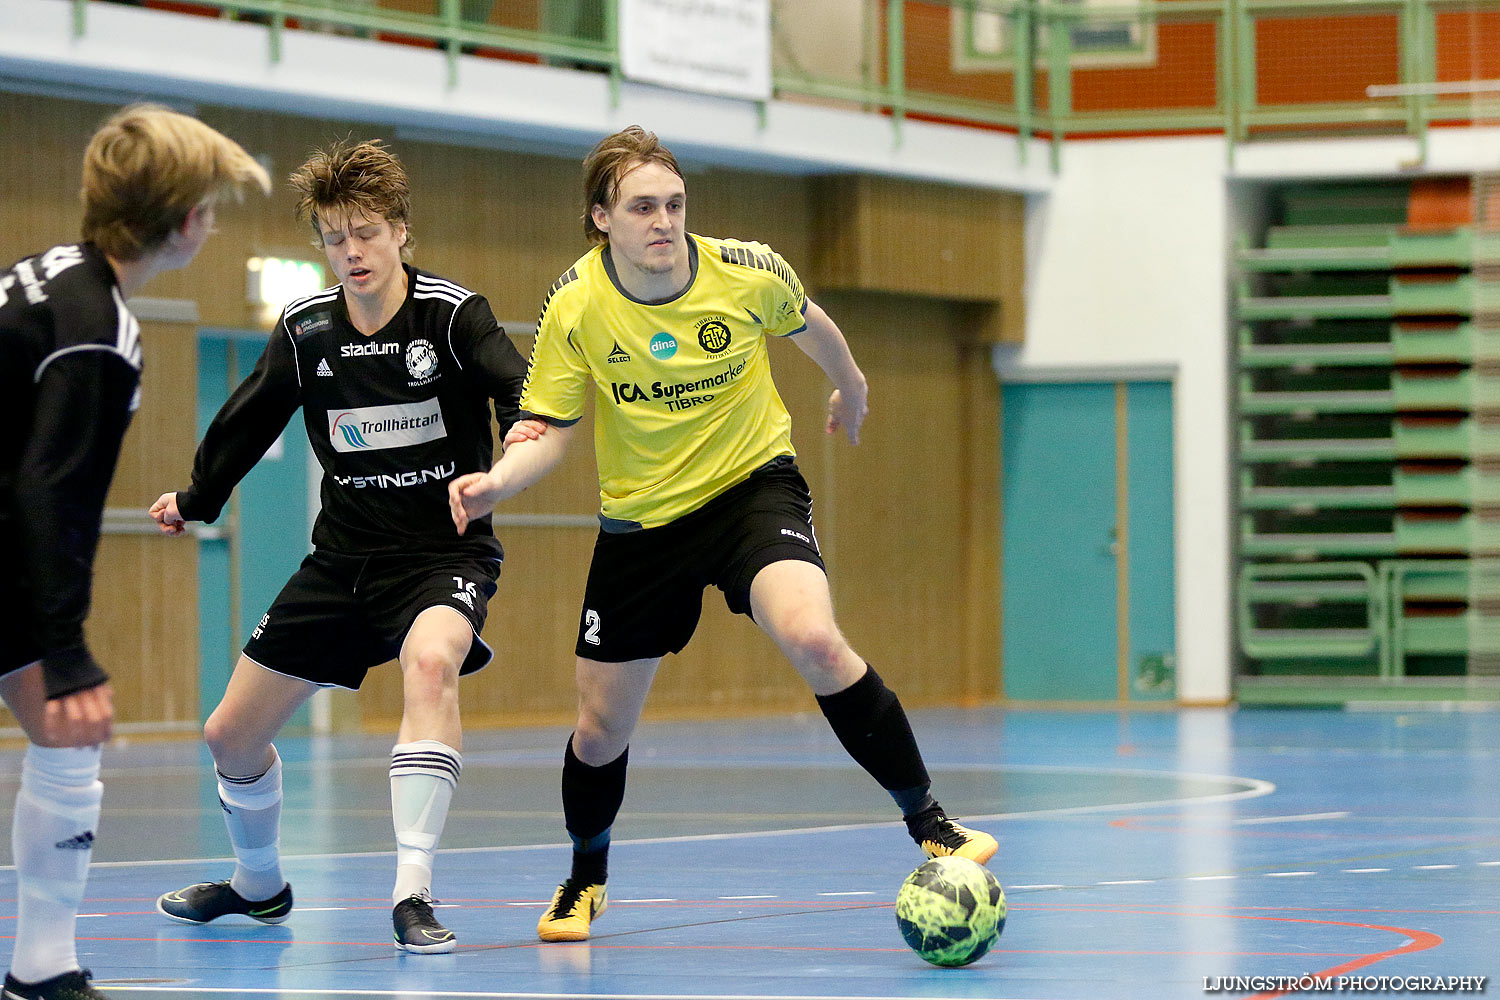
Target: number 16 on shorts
{"points": [[466, 592]]}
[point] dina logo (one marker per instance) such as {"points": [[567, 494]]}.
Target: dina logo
{"points": [[346, 426], [713, 335], [663, 346]]}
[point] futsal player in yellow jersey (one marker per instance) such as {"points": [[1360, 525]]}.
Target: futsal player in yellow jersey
{"points": [[698, 486]]}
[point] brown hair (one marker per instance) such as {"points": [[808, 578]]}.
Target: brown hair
{"points": [[145, 170], [609, 162], [348, 176]]}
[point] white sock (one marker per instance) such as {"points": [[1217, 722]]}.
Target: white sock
{"points": [[252, 814], [423, 776], [52, 838]]}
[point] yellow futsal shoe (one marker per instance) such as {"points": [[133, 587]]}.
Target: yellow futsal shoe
{"points": [[573, 908], [938, 836]]}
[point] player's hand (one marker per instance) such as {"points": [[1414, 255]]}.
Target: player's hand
{"points": [[472, 496], [164, 512], [847, 412], [81, 719], [524, 430]]}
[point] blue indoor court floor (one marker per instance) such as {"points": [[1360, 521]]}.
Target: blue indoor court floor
{"points": [[1145, 855]]}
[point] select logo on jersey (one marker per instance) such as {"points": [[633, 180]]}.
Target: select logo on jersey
{"points": [[713, 334], [372, 428], [663, 346], [367, 350], [316, 323], [421, 361], [617, 355]]}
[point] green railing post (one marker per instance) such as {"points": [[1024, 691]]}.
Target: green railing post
{"points": [[1059, 24], [453, 20], [612, 39], [1224, 77], [278, 25], [895, 62], [1023, 21], [80, 18], [1245, 74], [1424, 44]]}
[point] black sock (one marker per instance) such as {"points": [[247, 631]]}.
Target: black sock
{"points": [[591, 800], [869, 721]]}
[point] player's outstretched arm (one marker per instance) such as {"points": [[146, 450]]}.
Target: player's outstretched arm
{"points": [[824, 342], [526, 460], [164, 512]]}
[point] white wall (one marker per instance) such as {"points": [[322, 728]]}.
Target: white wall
{"points": [[1128, 270]]}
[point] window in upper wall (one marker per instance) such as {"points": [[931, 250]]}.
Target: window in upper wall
{"points": [[984, 40]]}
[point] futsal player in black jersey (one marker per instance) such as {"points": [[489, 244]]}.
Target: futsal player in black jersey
{"points": [[698, 486], [70, 368], [394, 369]]}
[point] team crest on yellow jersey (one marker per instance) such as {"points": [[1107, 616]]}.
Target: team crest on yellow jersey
{"points": [[713, 334]]}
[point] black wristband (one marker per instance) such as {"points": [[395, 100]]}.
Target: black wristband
{"points": [[68, 671]]}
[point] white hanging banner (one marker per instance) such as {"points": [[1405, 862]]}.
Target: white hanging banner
{"points": [[712, 46]]}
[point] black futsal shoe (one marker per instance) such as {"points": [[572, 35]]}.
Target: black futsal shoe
{"points": [[418, 930], [198, 904], [938, 836], [68, 986]]}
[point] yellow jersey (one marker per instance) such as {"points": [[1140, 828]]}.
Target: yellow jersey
{"points": [[684, 403]]}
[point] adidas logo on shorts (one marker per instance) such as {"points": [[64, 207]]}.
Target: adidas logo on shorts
{"points": [[466, 597]]}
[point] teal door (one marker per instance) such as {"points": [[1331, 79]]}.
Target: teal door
{"points": [[265, 532], [1087, 570]]}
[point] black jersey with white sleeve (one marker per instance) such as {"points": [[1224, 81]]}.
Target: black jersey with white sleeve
{"points": [[70, 371], [391, 416]]}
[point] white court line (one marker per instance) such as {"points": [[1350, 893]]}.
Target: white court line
{"points": [[1255, 788], [1304, 818], [1361, 871], [1288, 874], [1127, 881], [1209, 878]]}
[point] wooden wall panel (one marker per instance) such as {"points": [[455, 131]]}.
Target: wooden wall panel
{"points": [[143, 626], [885, 234], [907, 519]]}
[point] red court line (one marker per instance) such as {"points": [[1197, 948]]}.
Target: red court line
{"points": [[1177, 909], [1420, 941]]}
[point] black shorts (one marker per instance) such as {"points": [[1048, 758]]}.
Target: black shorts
{"points": [[339, 615], [645, 588]]}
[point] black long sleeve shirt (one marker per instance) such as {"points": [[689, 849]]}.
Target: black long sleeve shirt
{"points": [[392, 417], [70, 368]]}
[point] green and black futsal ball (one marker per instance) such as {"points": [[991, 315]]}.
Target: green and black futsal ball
{"points": [[951, 910]]}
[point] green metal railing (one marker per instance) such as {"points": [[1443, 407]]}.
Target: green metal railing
{"points": [[1034, 94]]}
